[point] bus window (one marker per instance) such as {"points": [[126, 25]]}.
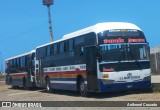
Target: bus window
{"points": [[15, 62], [110, 52], [48, 51], [18, 61], [55, 48], [139, 52], [26, 59], [10, 63], [71, 45], [23, 62], [52, 49], [65, 46], [62, 47], [79, 40]]}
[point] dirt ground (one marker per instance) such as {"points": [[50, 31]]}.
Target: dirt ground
{"points": [[19, 94]]}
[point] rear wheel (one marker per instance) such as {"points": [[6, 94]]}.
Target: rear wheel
{"points": [[12, 85], [48, 85], [25, 84], [82, 88]]}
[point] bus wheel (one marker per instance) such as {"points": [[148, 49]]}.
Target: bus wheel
{"points": [[12, 85], [25, 85], [48, 86], [82, 88]]}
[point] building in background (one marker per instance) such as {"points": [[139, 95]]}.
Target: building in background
{"points": [[155, 60]]}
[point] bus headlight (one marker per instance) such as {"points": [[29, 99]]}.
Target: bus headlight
{"points": [[105, 76]]}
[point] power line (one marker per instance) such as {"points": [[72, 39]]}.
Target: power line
{"points": [[23, 33]]}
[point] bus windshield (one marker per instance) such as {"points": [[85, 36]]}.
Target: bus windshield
{"points": [[112, 52], [124, 52], [123, 45], [138, 52]]}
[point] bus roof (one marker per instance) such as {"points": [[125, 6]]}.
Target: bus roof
{"points": [[33, 51], [102, 27], [97, 28]]}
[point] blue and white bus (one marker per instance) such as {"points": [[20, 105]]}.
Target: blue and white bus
{"points": [[20, 70], [106, 57]]}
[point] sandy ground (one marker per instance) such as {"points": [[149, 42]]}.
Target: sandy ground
{"points": [[19, 94]]}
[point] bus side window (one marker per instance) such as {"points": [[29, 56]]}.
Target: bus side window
{"points": [[58, 48], [52, 49], [55, 49], [48, 50], [71, 45], [79, 45], [62, 47]]}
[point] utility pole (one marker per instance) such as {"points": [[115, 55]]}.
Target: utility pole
{"points": [[1, 62], [48, 3]]}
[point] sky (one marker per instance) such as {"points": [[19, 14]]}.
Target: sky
{"points": [[24, 23]]}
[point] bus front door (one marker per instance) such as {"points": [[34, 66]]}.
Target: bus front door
{"points": [[39, 73], [91, 68]]}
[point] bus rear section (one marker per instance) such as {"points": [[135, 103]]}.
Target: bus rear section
{"points": [[124, 63], [20, 70]]}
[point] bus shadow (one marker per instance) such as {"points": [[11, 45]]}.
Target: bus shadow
{"points": [[22, 88], [91, 95], [115, 94], [63, 92], [98, 95]]}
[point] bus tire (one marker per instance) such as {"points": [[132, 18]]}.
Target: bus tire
{"points": [[25, 84], [12, 86], [82, 88], [48, 86]]}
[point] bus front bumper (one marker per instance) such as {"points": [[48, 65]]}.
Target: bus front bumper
{"points": [[114, 87]]}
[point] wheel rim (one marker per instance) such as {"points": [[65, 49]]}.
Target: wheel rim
{"points": [[48, 88], [82, 87]]}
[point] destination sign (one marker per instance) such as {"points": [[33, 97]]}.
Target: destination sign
{"points": [[121, 36], [136, 40], [123, 30], [121, 40]]}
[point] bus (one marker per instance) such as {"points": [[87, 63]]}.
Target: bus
{"points": [[105, 57], [20, 70]]}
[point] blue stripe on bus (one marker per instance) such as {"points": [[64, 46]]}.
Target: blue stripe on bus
{"points": [[66, 79], [65, 86], [124, 86]]}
